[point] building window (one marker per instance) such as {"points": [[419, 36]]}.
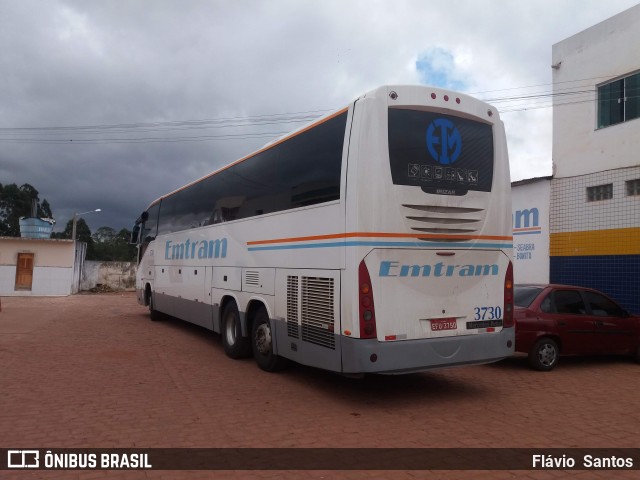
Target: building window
{"points": [[619, 101], [633, 187], [600, 192]]}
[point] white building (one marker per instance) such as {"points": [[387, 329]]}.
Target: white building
{"points": [[595, 191], [530, 218], [39, 267]]}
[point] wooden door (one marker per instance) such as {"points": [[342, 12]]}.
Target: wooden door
{"points": [[24, 271]]}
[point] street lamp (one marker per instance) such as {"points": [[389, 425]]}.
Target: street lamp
{"points": [[75, 220]]}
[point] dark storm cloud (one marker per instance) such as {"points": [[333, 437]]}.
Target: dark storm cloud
{"points": [[86, 64], [142, 64]]}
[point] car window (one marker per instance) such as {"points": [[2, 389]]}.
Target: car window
{"points": [[602, 306], [523, 296], [569, 302], [546, 306]]}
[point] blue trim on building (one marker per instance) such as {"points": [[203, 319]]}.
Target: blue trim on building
{"points": [[616, 275]]}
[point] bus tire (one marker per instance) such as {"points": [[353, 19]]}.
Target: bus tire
{"points": [[235, 345], [544, 354], [262, 343], [154, 314]]}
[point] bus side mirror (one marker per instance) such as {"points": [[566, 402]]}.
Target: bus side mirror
{"points": [[135, 234], [142, 218]]}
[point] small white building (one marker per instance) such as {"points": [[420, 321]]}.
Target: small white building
{"points": [[39, 266], [530, 218]]}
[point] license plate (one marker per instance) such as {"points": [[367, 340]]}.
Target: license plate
{"points": [[484, 324], [438, 324]]}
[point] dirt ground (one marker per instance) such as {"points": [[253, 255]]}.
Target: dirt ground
{"points": [[92, 371]]}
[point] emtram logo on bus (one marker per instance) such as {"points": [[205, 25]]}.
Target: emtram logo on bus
{"points": [[444, 141], [195, 249]]}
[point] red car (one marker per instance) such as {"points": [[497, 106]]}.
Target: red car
{"points": [[554, 320]]}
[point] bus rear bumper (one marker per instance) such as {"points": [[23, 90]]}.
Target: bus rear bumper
{"points": [[407, 356]]}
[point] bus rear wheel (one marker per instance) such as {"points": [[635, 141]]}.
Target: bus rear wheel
{"points": [[262, 343], [235, 345]]}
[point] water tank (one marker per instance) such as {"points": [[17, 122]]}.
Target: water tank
{"points": [[33, 227]]}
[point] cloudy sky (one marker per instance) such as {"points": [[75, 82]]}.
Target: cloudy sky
{"points": [[110, 104]]}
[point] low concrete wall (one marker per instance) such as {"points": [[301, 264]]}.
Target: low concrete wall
{"points": [[115, 275]]}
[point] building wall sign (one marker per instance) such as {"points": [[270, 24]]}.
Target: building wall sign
{"points": [[530, 217]]}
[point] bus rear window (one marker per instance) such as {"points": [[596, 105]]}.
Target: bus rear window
{"points": [[442, 154]]}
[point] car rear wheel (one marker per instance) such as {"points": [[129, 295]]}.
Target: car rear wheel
{"points": [[544, 354]]}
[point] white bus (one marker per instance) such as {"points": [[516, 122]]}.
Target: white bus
{"points": [[376, 239]]}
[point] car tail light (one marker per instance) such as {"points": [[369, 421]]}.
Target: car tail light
{"points": [[508, 297], [365, 302]]}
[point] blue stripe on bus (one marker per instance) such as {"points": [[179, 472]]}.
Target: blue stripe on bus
{"points": [[383, 244], [531, 232]]}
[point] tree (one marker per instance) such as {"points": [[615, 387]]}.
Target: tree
{"points": [[104, 235], [83, 234], [104, 245], [11, 209], [127, 252], [112, 246], [16, 202], [44, 210]]}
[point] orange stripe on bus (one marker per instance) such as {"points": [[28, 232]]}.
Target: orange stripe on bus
{"points": [[379, 235]]}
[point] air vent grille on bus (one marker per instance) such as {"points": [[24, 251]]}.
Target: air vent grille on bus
{"points": [[439, 209], [293, 329], [251, 277], [317, 313], [441, 220]]}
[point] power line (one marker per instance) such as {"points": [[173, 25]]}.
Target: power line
{"points": [[87, 141], [574, 88], [77, 135], [565, 93], [248, 120], [590, 79]]}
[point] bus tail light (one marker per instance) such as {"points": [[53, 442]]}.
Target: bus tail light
{"points": [[365, 303], [508, 297]]}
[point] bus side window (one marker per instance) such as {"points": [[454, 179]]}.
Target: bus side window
{"points": [[216, 217]]}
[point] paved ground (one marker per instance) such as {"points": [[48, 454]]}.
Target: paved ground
{"points": [[94, 371]]}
